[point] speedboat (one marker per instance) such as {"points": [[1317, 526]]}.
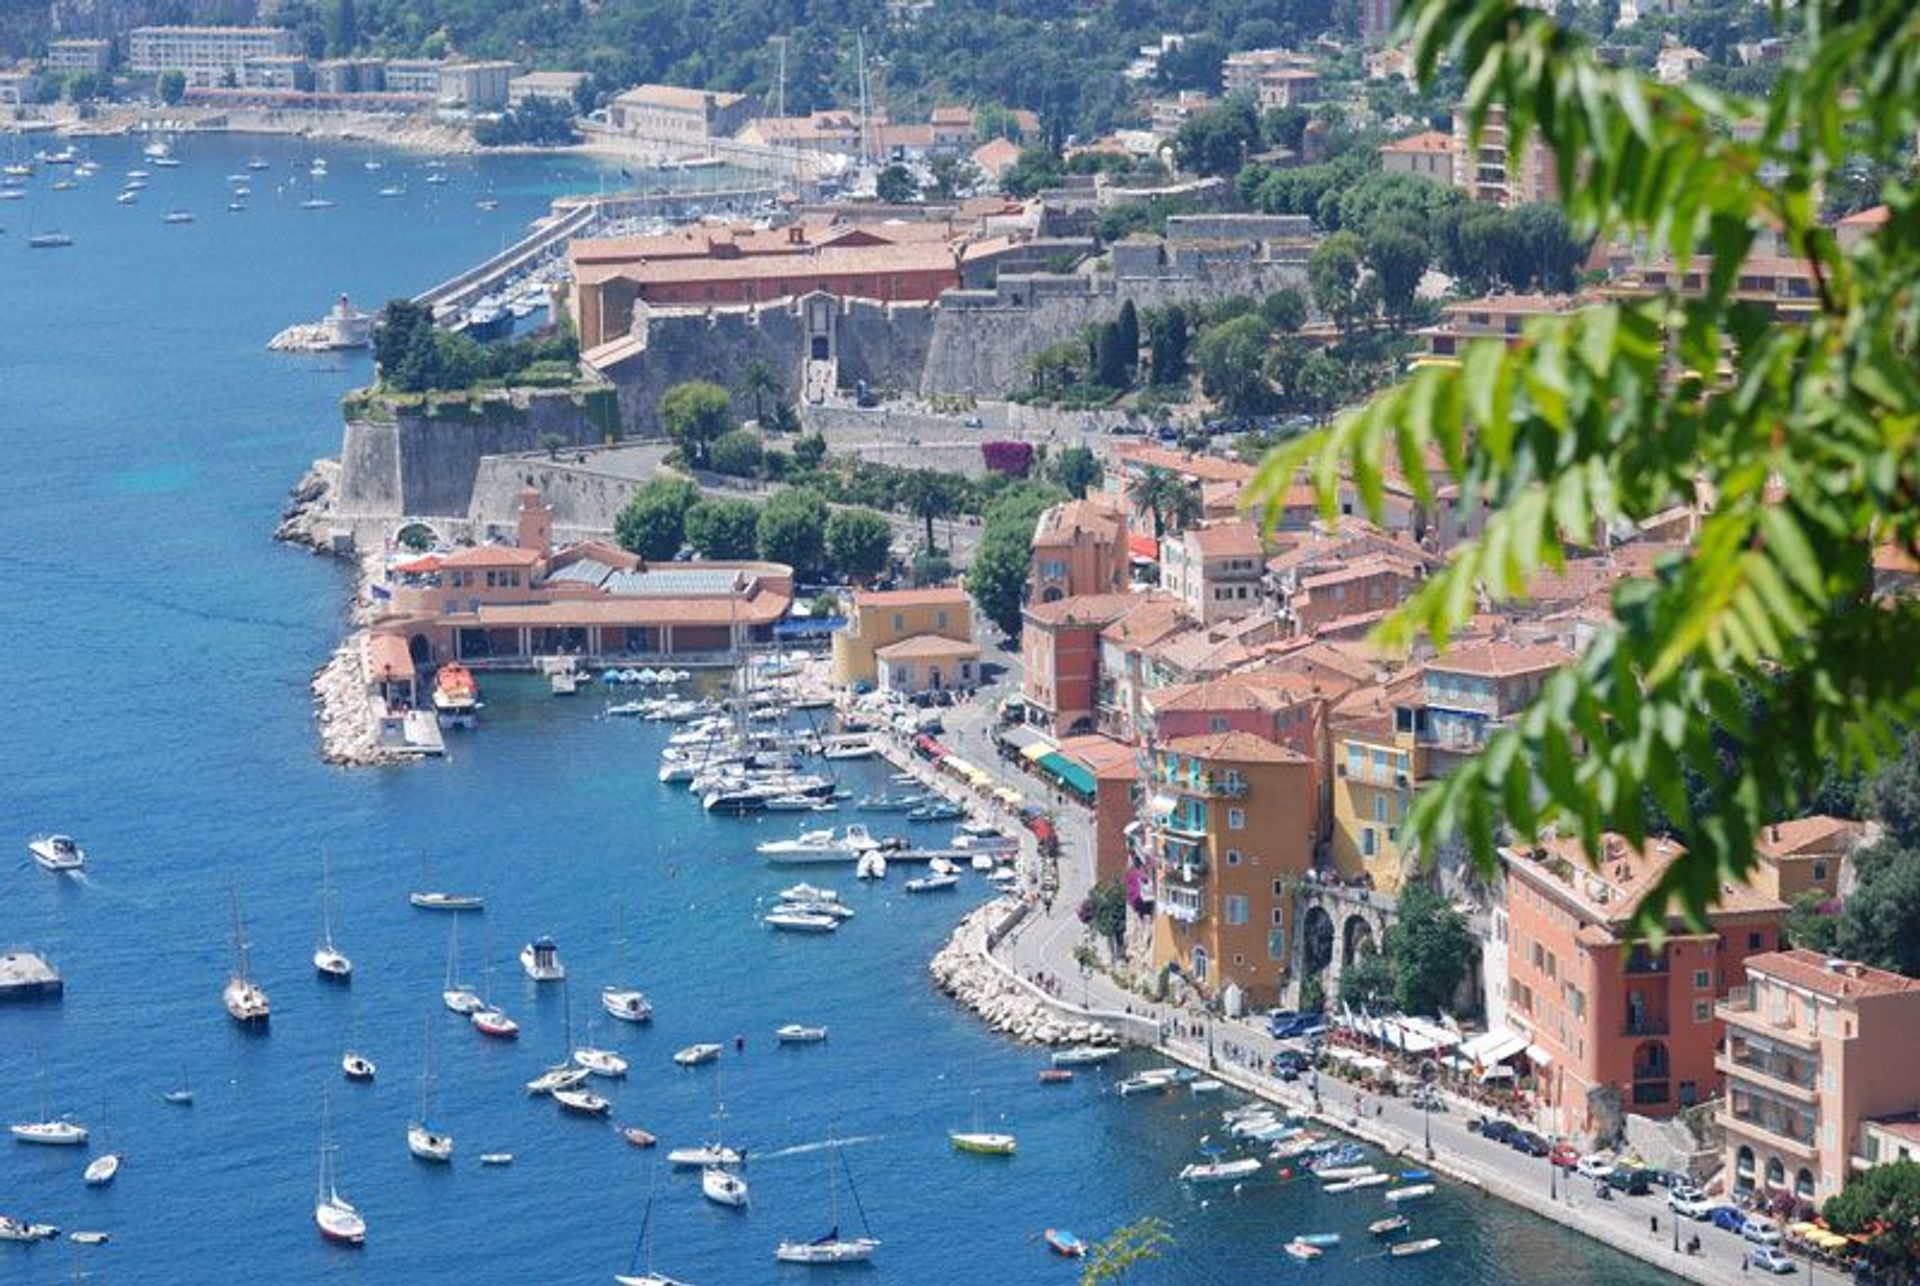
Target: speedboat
{"points": [[177, 216], [871, 866], [1419, 1247], [858, 746], [830, 1249], [496, 1158], [88, 1238], [1320, 1239], [694, 1055], [713, 1154], [638, 1137], [429, 1144], [723, 1187], [932, 884], [889, 803], [796, 1034], [1056, 1075], [57, 853], [582, 1102], [600, 1062], [789, 921], [791, 804], [983, 1144], [1412, 1192], [626, 1004], [1084, 1055], [127, 198], [823, 845], [832, 910], [1157, 1081], [456, 697], [12, 1229], [541, 960], [808, 893], [1061, 1242], [492, 1022], [563, 1076], [1357, 1182], [1302, 1251], [356, 1067], [1388, 1226], [437, 901], [936, 811], [100, 1171], [1220, 1171]]}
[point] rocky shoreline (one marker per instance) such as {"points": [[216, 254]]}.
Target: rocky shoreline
{"points": [[349, 732], [963, 970], [308, 503]]}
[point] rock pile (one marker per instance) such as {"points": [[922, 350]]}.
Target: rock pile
{"points": [[963, 970], [349, 731], [302, 522]]}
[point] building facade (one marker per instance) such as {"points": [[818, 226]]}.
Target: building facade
{"points": [[1815, 1050], [678, 117], [476, 86], [79, 55], [881, 618], [208, 56], [1079, 547], [1485, 172], [1216, 569]]}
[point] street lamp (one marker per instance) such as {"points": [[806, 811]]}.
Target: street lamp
{"points": [[1429, 1072]]}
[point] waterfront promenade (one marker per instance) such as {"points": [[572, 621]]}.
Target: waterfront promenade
{"points": [[1043, 945]]}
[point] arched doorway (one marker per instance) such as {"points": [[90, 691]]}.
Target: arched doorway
{"points": [[1743, 1169], [1776, 1174], [1052, 594], [1316, 940], [420, 650], [1356, 941]]}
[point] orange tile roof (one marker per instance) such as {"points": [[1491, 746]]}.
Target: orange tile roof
{"points": [[1806, 834], [1232, 538], [931, 647], [1234, 746], [1147, 623], [388, 658], [820, 261], [1110, 760], [1206, 468], [1084, 609], [1838, 979], [1503, 660], [1428, 142], [678, 97], [1064, 521], [936, 596], [491, 556], [1250, 690], [1871, 217]]}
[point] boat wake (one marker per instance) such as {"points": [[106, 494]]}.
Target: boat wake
{"points": [[802, 1149]]}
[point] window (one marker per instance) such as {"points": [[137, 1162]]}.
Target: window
{"points": [[1819, 870], [1236, 819], [1233, 857], [1279, 888], [1216, 723], [1276, 945], [940, 620], [1279, 915], [1755, 942], [1238, 958], [1702, 1011], [1380, 808], [1200, 964], [1236, 909], [1356, 761], [899, 622], [1369, 843], [1702, 979]]}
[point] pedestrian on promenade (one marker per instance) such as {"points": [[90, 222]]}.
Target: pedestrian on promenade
{"points": [[1653, 1224], [1743, 1263]]}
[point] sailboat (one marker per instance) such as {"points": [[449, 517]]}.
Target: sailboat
{"points": [[636, 1274], [563, 1075], [723, 1187], [329, 960], [354, 1065], [180, 1095], [600, 1062], [337, 1220], [49, 1130], [245, 1002], [489, 1021], [100, 1171], [715, 1153], [626, 1003], [982, 1142], [423, 1140], [831, 1247], [457, 996]]}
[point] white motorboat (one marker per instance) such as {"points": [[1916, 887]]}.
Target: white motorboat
{"points": [[1358, 1182], [932, 884], [832, 910], [799, 922], [60, 1133], [541, 960], [127, 198], [808, 893], [1418, 1246], [57, 853], [336, 1218], [330, 962], [694, 1055], [798, 1034], [1206, 1085], [12, 1229], [1343, 1173], [496, 1158], [1084, 1055], [707, 1156], [983, 1143], [1156, 1081], [858, 746], [563, 1076], [356, 1067], [791, 804], [626, 1004], [83, 1238], [1412, 1192], [723, 1187], [246, 1003], [871, 866], [600, 1062], [100, 1171], [1220, 1171], [441, 901], [582, 1102], [825, 845]]}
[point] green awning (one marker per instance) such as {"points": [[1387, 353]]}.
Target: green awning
{"points": [[1075, 776]]}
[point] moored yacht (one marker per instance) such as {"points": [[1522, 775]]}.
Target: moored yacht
{"points": [[246, 1003], [541, 960], [626, 1004], [57, 853]]}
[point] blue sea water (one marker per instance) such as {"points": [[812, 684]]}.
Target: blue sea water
{"points": [[153, 700]]}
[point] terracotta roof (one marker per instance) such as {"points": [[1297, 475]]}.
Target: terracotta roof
{"points": [[1233, 538], [1515, 304], [760, 609], [1819, 833], [491, 556], [1871, 217], [1149, 622], [1252, 690], [1838, 979], [819, 261], [1905, 1127], [937, 596], [1234, 746], [1375, 565], [678, 97], [995, 157], [1503, 660], [1084, 609], [1110, 760], [1098, 518], [1426, 143], [387, 657], [1205, 468], [926, 646]]}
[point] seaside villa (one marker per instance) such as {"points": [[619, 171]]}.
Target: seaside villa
{"points": [[501, 606]]}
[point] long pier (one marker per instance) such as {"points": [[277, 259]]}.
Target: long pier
{"points": [[581, 216]]}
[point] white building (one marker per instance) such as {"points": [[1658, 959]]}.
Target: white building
{"points": [[78, 55], [209, 56]]}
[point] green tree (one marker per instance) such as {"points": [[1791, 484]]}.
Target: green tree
{"points": [[859, 542], [1168, 331], [172, 87], [1369, 982], [1802, 427], [1813, 922], [1106, 914], [793, 529], [927, 494], [895, 185], [737, 452], [1398, 259], [1037, 167], [1285, 310], [724, 529], [1171, 500], [759, 382], [1110, 363], [1894, 795], [1228, 358], [1880, 920], [1333, 273], [653, 524], [810, 450], [1431, 948], [694, 414], [1882, 1204], [1128, 338], [998, 577], [1218, 141], [1076, 469], [1124, 1249], [343, 33]]}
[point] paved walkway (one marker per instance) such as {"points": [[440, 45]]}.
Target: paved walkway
{"points": [[1042, 948]]}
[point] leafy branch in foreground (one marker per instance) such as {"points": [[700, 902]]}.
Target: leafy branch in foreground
{"points": [[1796, 434], [1124, 1249]]}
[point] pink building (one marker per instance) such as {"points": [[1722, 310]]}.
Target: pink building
{"points": [[1079, 547]]}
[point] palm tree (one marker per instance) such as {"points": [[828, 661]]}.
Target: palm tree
{"points": [[1173, 501], [927, 495], [757, 381]]}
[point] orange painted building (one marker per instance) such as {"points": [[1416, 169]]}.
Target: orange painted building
{"points": [[1079, 547], [1060, 655], [1613, 1024]]}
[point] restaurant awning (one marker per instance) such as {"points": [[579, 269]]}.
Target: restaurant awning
{"points": [[1036, 751], [1072, 774], [1143, 547], [1496, 1046], [1538, 1056]]}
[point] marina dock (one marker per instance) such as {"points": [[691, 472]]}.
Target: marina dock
{"points": [[27, 975]]}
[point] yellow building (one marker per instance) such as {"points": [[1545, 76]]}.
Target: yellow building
{"points": [[882, 618], [1377, 768], [1231, 826]]}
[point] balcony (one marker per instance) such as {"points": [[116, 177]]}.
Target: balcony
{"points": [[1644, 1025], [1650, 1093], [1182, 903], [1772, 1129], [1189, 866], [1642, 961], [1771, 1075], [1739, 1011]]}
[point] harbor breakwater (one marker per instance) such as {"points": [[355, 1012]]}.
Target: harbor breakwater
{"points": [[965, 970]]}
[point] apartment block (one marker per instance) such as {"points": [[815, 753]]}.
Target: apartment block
{"points": [[209, 56]]}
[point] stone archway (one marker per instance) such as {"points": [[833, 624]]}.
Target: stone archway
{"points": [[1316, 941], [1356, 940], [420, 650]]}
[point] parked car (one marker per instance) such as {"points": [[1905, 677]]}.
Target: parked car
{"points": [[1301, 1025], [1630, 1180], [1770, 1259], [1278, 1019], [1595, 1165], [1564, 1155], [1496, 1129], [1292, 1060], [1691, 1205], [1528, 1142], [1761, 1231], [1668, 1178], [1729, 1217]]}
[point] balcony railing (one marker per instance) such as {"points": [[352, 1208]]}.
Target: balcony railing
{"points": [[1739, 1010], [1793, 1071], [1777, 1128], [1649, 1093], [1747, 1078], [1644, 1025], [1186, 905], [1645, 962]]}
